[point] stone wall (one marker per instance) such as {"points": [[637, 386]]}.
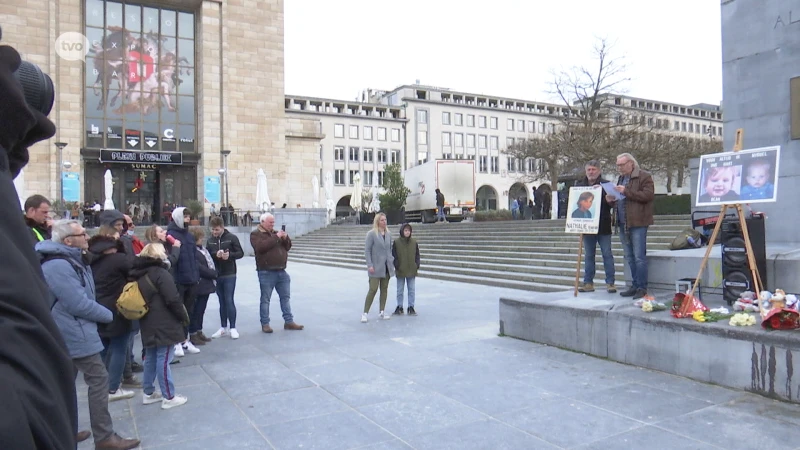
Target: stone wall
{"points": [[303, 139], [298, 221]]}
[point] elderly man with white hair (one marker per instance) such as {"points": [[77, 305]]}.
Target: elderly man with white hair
{"points": [[76, 313], [272, 251]]}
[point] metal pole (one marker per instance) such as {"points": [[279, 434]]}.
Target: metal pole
{"points": [[59, 175]]}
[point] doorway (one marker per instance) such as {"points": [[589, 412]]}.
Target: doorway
{"points": [[142, 195]]}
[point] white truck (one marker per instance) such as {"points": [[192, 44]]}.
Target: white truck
{"points": [[455, 178]]}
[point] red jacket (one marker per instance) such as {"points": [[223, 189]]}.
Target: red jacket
{"points": [[137, 245]]}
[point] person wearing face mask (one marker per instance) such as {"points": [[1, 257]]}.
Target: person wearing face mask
{"points": [[136, 244]]}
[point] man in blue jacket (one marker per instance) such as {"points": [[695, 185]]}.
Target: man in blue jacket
{"points": [[186, 271], [76, 313]]}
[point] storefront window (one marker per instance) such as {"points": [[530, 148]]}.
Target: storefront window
{"points": [[140, 78]]}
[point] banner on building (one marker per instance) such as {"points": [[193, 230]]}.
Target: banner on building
{"points": [[583, 209], [71, 186], [747, 176], [212, 190]]}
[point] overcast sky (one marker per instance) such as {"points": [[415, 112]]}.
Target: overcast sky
{"points": [[336, 48]]}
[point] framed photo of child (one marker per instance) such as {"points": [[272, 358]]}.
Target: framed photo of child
{"points": [[747, 176], [583, 209]]}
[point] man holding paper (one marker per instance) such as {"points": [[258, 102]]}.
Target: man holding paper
{"points": [[603, 236], [634, 205]]}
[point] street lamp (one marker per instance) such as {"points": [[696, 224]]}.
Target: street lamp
{"points": [[60, 146], [225, 154]]}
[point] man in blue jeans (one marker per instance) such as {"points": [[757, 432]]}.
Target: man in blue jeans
{"points": [[272, 250], [225, 249], [603, 236], [634, 215]]}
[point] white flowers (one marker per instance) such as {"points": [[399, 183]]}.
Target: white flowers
{"points": [[742, 320]]}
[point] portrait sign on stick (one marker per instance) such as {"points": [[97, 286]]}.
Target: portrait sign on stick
{"points": [[583, 209]]}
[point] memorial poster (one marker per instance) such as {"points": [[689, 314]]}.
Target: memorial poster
{"points": [[747, 176], [583, 209]]}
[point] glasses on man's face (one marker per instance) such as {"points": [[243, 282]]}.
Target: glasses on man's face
{"points": [[78, 235], [623, 164]]}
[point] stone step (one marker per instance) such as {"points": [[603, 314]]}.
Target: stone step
{"points": [[499, 247], [546, 259], [469, 230], [507, 236]]}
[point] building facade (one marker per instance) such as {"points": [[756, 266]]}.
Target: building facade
{"points": [[167, 89]]}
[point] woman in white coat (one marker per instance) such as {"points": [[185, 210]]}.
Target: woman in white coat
{"points": [[380, 264]]}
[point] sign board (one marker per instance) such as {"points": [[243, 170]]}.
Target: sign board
{"points": [[747, 176], [140, 157], [212, 190], [71, 186], [583, 209]]}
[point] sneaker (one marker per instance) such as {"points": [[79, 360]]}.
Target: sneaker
{"points": [[384, 316], [640, 293], [119, 394], [220, 333], [412, 311], [194, 339], [234, 333], [189, 347], [398, 311], [155, 397], [178, 350], [177, 400], [586, 287], [364, 318], [630, 292], [131, 382], [136, 367], [611, 288], [203, 336]]}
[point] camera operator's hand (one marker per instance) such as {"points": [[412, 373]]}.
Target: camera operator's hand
{"points": [[20, 126]]}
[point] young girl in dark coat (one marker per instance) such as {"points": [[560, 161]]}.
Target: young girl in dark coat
{"points": [[206, 287], [161, 327]]}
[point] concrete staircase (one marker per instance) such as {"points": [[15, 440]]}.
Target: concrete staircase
{"points": [[525, 254]]}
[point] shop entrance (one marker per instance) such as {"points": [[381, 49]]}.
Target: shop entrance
{"points": [[142, 195]]}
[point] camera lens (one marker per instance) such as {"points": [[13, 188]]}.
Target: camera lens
{"points": [[37, 87]]}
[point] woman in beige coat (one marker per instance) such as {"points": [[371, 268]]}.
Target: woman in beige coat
{"points": [[380, 264]]}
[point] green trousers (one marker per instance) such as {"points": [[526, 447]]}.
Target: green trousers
{"points": [[374, 284]]}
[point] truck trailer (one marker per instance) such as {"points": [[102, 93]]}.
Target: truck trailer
{"points": [[455, 178]]}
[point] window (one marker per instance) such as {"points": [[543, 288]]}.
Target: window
{"points": [[683, 126], [422, 137], [482, 121], [459, 139], [446, 139], [459, 120], [339, 177], [649, 121], [470, 141], [422, 116], [495, 160], [470, 120], [482, 142], [482, 166], [510, 124], [509, 142], [494, 142], [395, 156], [445, 118], [493, 123], [352, 176], [552, 128], [141, 125], [368, 153], [691, 128], [511, 165], [368, 133], [541, 127], [677, 126], [380, 178], [353, 153], [531, 126], [521, 126], [381, 134], [530, 165], [422, 157], [338, 153], [353, 132], [366, 179], [382, 155], [338, 130], [395, 135]]}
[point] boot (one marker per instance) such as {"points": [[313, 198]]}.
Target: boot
{"points": [[117, 443]]}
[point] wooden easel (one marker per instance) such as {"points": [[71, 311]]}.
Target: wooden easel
{"points": [[751, 260], [578, 269]]}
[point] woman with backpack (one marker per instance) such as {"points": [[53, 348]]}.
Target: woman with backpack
{"points": [[110, 267], [161, 327]]}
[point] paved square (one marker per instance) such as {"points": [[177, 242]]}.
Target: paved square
{"points": [[441, 380]]}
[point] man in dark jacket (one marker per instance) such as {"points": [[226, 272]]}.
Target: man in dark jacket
{"points": [[634, 215], [440, 217], [116, 219], [38, 389], [76, 312], [272, 251], [186, 271], [37, 217], [603, 237], [225, 249]]}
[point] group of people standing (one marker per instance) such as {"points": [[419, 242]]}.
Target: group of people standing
{"points": [[176, 269]]}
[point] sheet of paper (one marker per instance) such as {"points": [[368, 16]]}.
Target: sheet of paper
{"points": [[609, 188]]}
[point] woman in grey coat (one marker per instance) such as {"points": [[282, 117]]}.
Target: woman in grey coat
{"points": [[380, 264]]}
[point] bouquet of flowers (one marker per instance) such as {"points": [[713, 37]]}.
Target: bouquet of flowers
{"points": [[684, 306], [709, 316], [652, 305], [742, 320], [781, 319]]}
